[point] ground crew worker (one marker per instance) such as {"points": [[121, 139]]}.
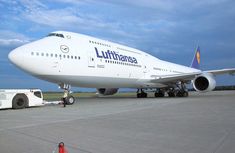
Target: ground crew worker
{"points": [[66, 93]]}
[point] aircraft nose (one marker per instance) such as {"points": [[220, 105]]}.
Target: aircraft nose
{"points": [[12, 56], [15, 56]]}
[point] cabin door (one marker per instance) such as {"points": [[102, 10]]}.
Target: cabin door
{"points": [[56, 64], [91, 59], [145, 69]]}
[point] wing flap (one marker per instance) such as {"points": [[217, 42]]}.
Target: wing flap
{"points": [[185, 77], [222, 71], [175, 78]]}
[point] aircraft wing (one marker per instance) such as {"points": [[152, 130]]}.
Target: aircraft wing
{"points": [[185, 77], [167, 79], [222, 71]]}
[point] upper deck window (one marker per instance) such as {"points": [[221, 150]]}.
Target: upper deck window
{"points": [[56, 34]]}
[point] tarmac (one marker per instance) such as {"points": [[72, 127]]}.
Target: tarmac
{"points": [[200, 123]]}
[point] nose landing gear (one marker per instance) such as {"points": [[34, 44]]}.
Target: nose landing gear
{"points": [[67, 98]]}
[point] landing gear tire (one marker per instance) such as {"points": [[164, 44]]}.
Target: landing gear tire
{"points": [[185, 94], [159, 94], [182, 94], [179, 94], [20, 101], [141, 95], [171, 94], [70, 100]]}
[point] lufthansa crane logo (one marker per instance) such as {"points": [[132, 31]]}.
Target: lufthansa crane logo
{"points": [[198, 57], [64, 48]]}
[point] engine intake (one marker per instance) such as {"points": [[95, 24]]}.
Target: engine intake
{"points": [[204, 82], [107, 91]]}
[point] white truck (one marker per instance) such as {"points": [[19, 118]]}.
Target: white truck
{"points": [[20, 98]]}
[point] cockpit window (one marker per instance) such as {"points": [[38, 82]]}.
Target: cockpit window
{"points": [[56, 34]]}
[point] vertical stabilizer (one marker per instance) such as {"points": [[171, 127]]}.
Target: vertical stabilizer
{"points": [[196, 59]]}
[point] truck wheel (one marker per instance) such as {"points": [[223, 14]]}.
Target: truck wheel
{"points": [[20, 101], [70, 100]]}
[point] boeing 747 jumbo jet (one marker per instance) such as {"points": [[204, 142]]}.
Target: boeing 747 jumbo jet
{"points": [[71, 59]]}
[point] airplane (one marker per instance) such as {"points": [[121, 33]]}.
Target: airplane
{"points": [[72, 59]]}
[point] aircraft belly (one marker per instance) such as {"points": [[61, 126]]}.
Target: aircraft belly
{"points": [[91, 81]]}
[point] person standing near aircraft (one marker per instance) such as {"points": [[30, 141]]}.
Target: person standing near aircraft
{"points": [[66, 93]]}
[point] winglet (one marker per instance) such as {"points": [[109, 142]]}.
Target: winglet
{"points": [[196, 59]]}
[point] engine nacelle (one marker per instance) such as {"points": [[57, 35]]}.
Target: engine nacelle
{"points": [[204, 82], [107, 91]]}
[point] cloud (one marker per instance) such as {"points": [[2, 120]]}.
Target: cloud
{"points": [[74, 18], [167, 29], [140, 24], [10, 34], [66, 17], [12, 42], [164, 5], [12, 39]]}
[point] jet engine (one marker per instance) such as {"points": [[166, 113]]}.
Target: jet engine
{"points": [[107, 91], [204, 82]]}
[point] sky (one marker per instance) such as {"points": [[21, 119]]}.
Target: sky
{"points": [[167, 29]]}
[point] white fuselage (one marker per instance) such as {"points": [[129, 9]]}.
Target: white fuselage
{"points": [[85, 61]]}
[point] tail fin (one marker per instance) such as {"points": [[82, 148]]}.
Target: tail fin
{"points": [[196, 59]]}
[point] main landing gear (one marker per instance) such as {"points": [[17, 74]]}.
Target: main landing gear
{"points": [[177, 93], [67, 99], [178, 90], [141, 93], [182, 90], [159, 93]]}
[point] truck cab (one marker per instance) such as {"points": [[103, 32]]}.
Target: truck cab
{"points": [[20, 98]]}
